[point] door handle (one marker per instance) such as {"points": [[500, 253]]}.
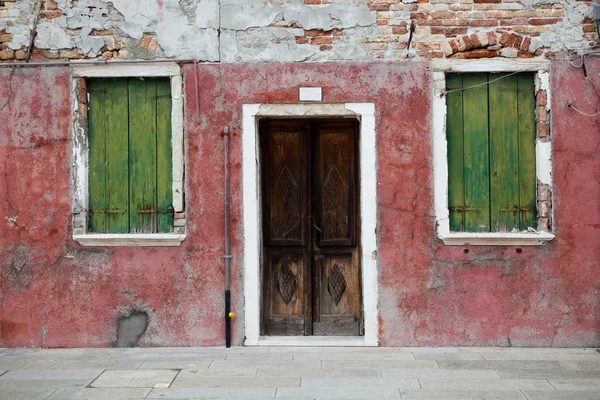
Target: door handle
{"points": [[317, 228]]}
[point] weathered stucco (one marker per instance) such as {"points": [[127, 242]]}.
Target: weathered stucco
{"points": [[56, 293], [283, 30]]}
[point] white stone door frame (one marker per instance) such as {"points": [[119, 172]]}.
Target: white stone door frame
{"points": [[251, 206]]}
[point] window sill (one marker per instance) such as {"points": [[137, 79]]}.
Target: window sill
{"points": [[132, 239], [496, 239]]}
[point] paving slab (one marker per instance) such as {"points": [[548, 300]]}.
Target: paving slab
{"points": [[256, 362], [437, 372], [444, 383], [576, 384], [390, 364], [542, 356], [187, 379], [100, 394], [462, 395], [515, 365], [353, 356], [220, 372], [318, 383], [336, 393], [26, 393], [448, 356], [282, 356], [43, 383], [176, 364], [562, 350], [570, 365], [12, 363], [74, 365], [51, 374], [321, 372], [212, 393], [548, 374], [170, 357], [563, 395], [135, 378]]}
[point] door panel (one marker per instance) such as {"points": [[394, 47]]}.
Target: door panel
{"points": [[311, 266], [289, 279], [286, 176], [335, 184], [339, 295]]}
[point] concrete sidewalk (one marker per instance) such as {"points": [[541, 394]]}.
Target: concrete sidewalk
{"points": [[300, 373]]}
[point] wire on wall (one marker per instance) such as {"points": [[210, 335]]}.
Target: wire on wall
{"points": [[586, 77], [446, 91]]}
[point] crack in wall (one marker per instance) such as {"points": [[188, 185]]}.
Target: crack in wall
{"points": [[10, 89]]}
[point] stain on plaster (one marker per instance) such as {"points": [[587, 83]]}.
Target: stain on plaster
{"points": [[131, 328]]}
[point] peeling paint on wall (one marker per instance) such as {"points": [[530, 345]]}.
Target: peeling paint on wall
{"points": [[291, 30]]}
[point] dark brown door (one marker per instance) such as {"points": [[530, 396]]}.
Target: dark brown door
{"points": [[311, 266]]}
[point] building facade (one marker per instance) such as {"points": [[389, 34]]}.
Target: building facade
{"points": [[400, 172]]}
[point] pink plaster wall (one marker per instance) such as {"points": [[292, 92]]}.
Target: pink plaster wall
{"points": [[55, 293]]}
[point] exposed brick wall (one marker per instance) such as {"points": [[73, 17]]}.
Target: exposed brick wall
{"points": [[401, 29], [437, 22]]}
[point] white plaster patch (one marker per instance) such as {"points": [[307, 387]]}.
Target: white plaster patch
{"points": [[310, 94], [543, 158]]}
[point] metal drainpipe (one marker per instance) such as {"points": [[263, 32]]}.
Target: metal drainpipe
{"points": [[228, 313]]}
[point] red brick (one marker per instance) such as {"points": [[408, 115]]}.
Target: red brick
{"points": [[301, 40], [325, 47], [542, 98], [454, 46], [321, 40], [449, 32], [524, 54], [400, 30], [483, 22], [443, 15], [542, 130], [316, 32], [455, 22], [431, 22], [518, 42], [51, 14], [379, 7], [543, 21], [525, 44], [504, 38], [475, 41], [480, 54], [312, 1], [468, 43]]}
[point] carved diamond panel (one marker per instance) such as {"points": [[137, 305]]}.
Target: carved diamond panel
{"points": [[336, 284], [287, 282]]}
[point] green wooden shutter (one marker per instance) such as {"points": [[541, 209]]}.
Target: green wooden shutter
{"points": [[130, 167], [491, 152]]}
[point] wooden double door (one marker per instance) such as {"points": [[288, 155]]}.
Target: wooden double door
{"points": [[311, 262]]}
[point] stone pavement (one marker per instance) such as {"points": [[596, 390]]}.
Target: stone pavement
{"points": [[300, 373]]}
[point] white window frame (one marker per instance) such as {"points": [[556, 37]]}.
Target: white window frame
{"points": [[543, 149], [81, 149]]}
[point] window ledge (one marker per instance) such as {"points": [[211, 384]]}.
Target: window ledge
{"points": [[130, 239], [498, 239]]}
